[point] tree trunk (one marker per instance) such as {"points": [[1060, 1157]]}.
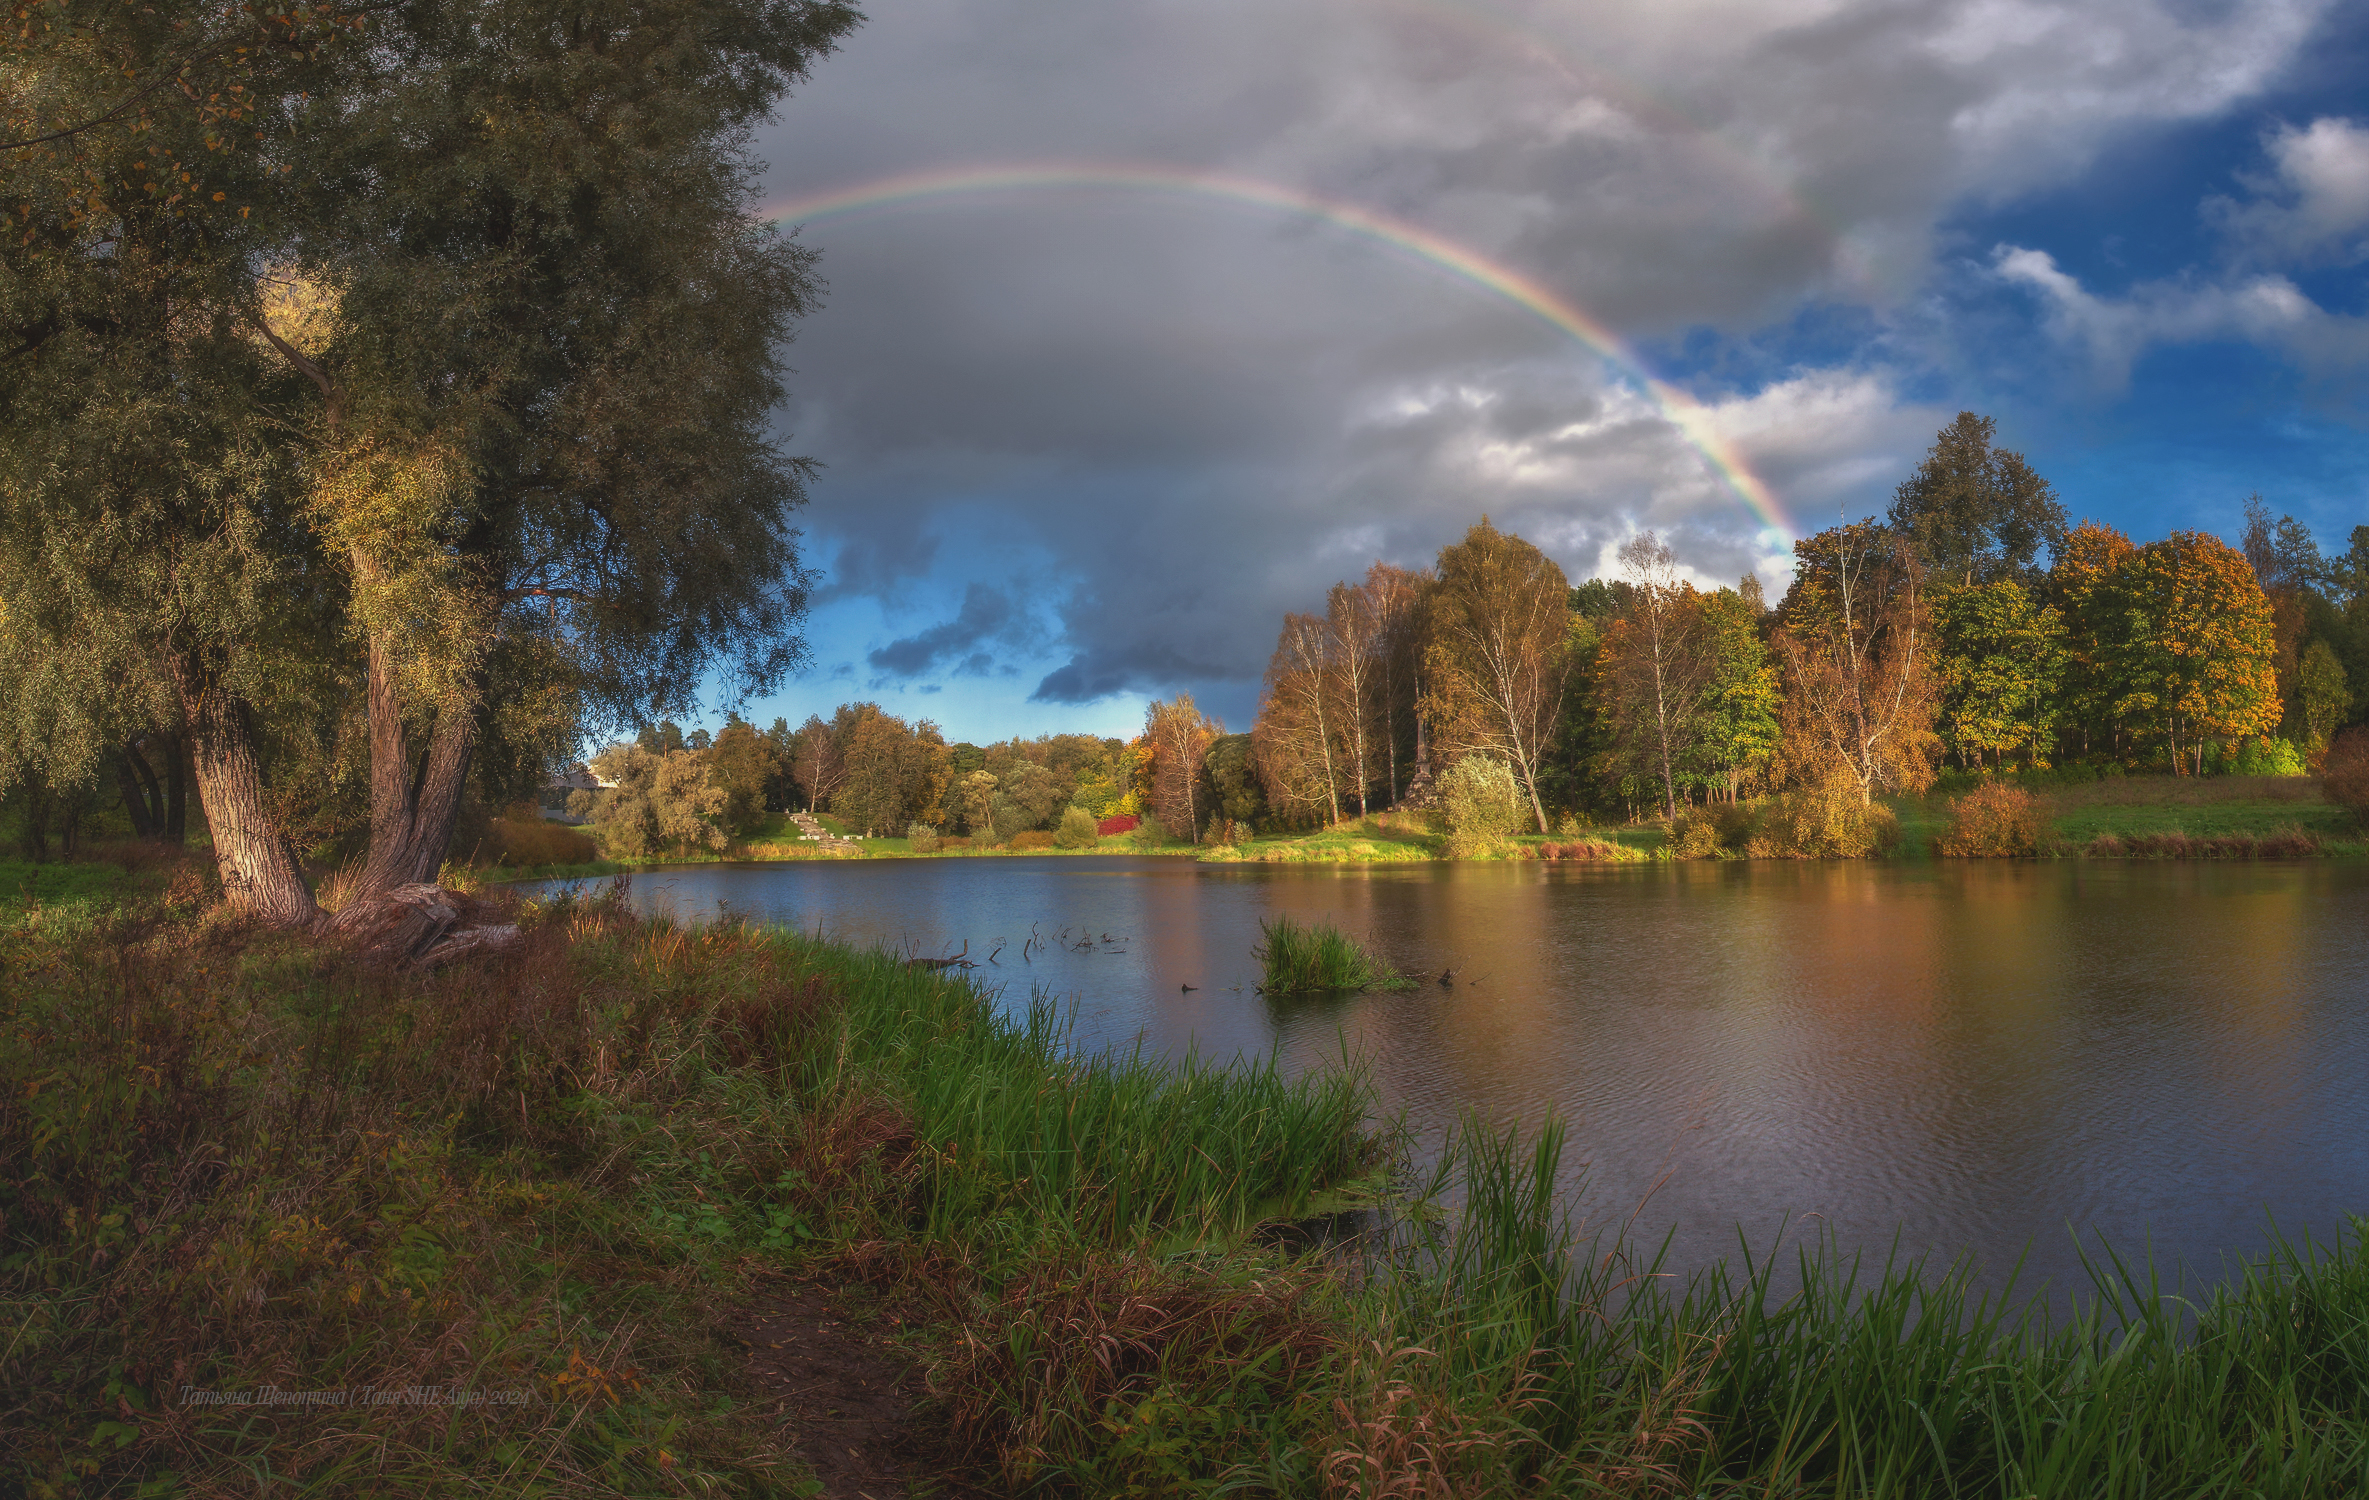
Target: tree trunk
{"points": [[259, 874], [176, 790], [139, 794], [411, 812]]}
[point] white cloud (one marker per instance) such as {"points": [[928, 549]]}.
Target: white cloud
{"points": [[2116, 331], [2313, 206]]}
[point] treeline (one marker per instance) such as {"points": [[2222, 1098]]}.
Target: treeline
{"points": [[885, 777], [1972, 626]]}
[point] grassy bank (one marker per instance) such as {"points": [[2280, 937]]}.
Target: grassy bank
{"points": [[232, 1161]]}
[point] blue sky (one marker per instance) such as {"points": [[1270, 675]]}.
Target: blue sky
{"points": [[1083, 447]]}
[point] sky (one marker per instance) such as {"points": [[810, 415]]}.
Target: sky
{"points": [[1148, 320]]}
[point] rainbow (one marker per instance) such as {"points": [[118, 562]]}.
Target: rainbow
{"points": [[1693, 421]]}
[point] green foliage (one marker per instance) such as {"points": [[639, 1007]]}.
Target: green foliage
{"points": [[2256, 755], [1029, 840], [1148, 835], [1077, 831], [1318, 958], [660, 805], [1735, 714], [922, 839], [745, 765], [1481, 804], [2324, 694], [1240, 796], [2001, 658], [1975, 513]]}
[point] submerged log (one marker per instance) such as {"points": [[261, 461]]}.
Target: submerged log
{"points": [[958, 961]]}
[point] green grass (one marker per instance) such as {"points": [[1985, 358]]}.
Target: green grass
{"points": [[1319, 959], [2139, 807], [2211, 807]]}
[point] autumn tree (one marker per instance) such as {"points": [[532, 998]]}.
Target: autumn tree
{"points": [[1976, 513], [1656, 664], [1180, 736], [2000, 657], [1293, 737], [1854, 641], [2194, 657], [2081, 590], [974, 802], [1396, 597], [744, 764], [1735, 713], [1352, 618], [818, 761], [1498, 657]]}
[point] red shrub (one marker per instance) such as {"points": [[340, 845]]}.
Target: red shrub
{"points": [[1123, 823], [1994, 821]]}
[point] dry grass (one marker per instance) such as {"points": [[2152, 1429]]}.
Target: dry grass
{"points": [[1133, 1370]]}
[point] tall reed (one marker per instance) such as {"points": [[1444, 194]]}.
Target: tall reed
{"points": [[1301, 960]]}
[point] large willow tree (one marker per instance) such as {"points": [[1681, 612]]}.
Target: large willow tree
{"points": [[483, 363]]}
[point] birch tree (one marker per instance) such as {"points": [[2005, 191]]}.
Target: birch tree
{"points": [[1860, 688], [1498, 655]]}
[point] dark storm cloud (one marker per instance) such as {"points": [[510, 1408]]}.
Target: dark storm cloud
{"points": [[1165, 419], [985, 614]]}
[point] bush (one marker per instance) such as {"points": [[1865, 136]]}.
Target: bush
{"points": [[1120, 823], [1030, 839], [1149, 834], [1481, 804], [1715, 832], [1827, 821], [1994, 821], [923, 838], [2345, 778], [1077, 830], [2255, 757]]}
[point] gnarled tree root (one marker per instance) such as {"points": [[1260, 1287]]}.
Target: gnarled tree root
{"points": [[420, 927]]}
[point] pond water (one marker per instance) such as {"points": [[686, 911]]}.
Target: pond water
{"points": [[1976, 1058]]}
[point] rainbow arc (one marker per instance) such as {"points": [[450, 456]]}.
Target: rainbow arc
{"points": [[1693, 421]]}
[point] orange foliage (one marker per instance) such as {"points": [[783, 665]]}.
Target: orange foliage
{"points": [[2201, 663]]}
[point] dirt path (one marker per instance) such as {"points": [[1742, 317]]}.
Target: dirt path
{"points": [[845, 1392]]}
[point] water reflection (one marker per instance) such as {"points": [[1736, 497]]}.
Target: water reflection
{"points": [[1974, 1058]]}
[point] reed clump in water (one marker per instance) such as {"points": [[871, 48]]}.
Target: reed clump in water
{"points": [[1319, 958]]}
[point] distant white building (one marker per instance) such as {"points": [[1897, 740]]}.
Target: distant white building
{"points": [[576, 778]]}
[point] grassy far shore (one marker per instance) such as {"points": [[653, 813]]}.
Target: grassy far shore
{"points": [[233, 1160], [2139, 812]]}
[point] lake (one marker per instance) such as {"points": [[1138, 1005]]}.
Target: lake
{"points": [[1976, 1058]]}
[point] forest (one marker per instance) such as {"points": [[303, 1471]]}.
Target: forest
{"points": [[1971, 630]]}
